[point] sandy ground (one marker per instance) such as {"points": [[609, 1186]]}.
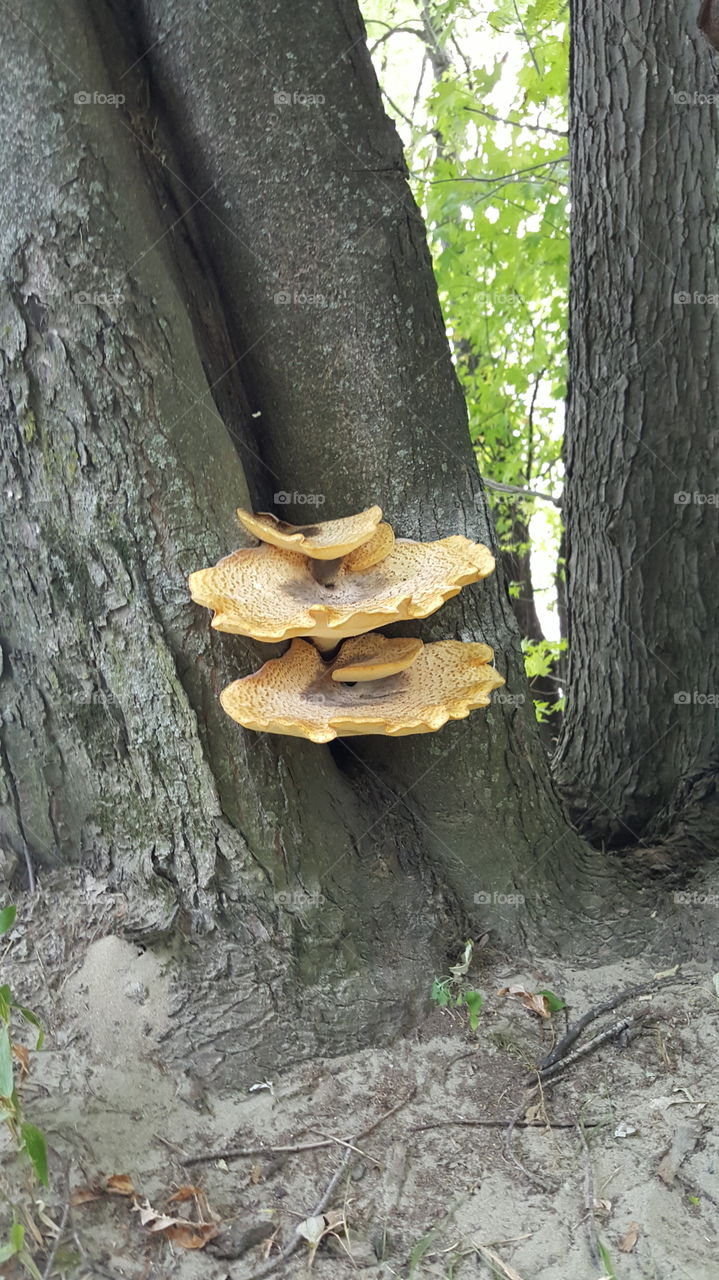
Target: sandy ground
{"points": [[422, 1195]]}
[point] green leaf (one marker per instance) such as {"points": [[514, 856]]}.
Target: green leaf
{"points": [[36, 1148], [554, 1002], [7, 1078], [440, 992], [5, 1003], [7, 919], [474, 1001]]}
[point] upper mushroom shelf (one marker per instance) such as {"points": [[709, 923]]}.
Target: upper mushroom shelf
{"points": [[323, 541], [272, 594], [302, 695]]}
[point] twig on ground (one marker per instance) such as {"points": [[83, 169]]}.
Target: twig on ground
{"points": [[610, 1033], [589, 1197], [56, 1243], [502, 1124], [241, 1153], [497, 1262], [273, 1263], [645, 988]]}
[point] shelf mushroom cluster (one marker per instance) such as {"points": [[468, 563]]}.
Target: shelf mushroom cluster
{"points": [[338, 580]]}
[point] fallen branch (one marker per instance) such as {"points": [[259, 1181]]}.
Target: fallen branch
{"points": [[564, 1045], [589, 1197], [502, 1124], [241, 1153], [610, 1033]]}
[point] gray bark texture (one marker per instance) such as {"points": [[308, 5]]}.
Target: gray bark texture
{"points": [[638, 755], [155, 377]]}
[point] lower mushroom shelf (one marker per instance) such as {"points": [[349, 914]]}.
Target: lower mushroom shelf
{"points": [[297, 695]]}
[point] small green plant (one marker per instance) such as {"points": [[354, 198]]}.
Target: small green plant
{"points": [[30, 1140], [453, 992]]}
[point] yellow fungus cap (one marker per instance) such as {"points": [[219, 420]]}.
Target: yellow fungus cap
{"points": [[272, 595], [297, 694], [324, 540]]}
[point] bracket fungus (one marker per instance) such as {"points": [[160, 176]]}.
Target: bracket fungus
{"points": [[338, 580], [271, 594], [299, 694], [325, 540]]}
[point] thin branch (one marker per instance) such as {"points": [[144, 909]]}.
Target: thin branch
{"points": [[645, 988], [503, 178], [56, 1243], [516, 488], [517, 124], [589, 1197], [524, 33]]}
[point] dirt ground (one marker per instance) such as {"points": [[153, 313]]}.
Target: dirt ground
{"points": [[427, 1192]]}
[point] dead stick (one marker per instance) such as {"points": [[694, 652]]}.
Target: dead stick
{"points": [[240, 1153], [56, 1242], [589, 1197], [601, 1038], [502, 1124], [645, 988]]}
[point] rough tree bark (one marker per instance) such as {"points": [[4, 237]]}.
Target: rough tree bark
{"points": [[638, 756], [152, 374]]}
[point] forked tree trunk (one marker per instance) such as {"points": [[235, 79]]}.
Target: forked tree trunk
{"points": [[638, 757], [151, 370]]}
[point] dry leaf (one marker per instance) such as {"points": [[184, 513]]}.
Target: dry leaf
{"points": [[23, 1056], [313, 1229], [183, 1193], [191, 1235], [532, 1000], [120, 1184], [256, 1175], [628, 1241], [83, 1195]]}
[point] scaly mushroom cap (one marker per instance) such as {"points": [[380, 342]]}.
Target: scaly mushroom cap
{"points": [[272, 595], [296, 694], [325, 540], [372, 657]]}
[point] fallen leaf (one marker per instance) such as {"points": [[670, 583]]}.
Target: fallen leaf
{"points": [[23, 1056], [191, 1235], [313, 1229], [120, 1184], [183, 1193], [83, 1195], [629, 1239], [535, 1001]]}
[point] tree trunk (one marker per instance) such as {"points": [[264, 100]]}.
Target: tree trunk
{"points": [[640, 725], [152, 372]]}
